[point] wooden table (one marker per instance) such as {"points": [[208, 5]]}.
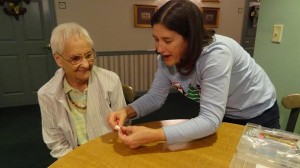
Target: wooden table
{"points": [[108, 151]]}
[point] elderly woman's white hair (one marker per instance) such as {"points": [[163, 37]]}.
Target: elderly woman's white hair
{"points": [[65, 32]]}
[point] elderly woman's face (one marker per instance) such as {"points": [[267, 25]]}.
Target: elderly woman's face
{"points": [[76, 71]]}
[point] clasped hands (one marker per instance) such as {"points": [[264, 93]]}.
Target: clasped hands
{"points": [[133, 136]]}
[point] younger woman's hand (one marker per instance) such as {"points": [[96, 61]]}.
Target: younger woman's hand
{"points": [[135, 136]]}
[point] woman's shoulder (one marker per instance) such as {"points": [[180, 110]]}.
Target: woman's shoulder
{"points": [[54, 83], [221, 42], [104, 72], [225, 40]]}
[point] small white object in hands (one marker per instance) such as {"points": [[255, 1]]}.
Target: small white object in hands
{"points": [[117, 128]]}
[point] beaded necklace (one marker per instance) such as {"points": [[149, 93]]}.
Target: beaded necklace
{"points": [[75, 104]]}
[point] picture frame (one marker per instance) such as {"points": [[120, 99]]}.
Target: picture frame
{"points": [[210, 17], [143, 15], [211, 1]]}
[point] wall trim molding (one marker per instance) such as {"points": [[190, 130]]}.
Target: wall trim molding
{"points": [[118, 53]]}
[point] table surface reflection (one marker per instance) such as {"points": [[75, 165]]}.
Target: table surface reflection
{"points": [[108, 151]]}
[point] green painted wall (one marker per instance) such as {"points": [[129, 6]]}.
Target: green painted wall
{"points": [[281, 61]]}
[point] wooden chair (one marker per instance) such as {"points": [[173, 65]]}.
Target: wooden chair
{"points": [[129, 93], [292, 102]]}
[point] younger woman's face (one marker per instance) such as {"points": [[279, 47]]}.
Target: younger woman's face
{"points": [[169, 44]]}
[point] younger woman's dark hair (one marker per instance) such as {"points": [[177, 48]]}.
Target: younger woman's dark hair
{"points": [[185, 18]]}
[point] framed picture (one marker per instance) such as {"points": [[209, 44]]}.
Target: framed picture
{"points": [[210, 1], [210, 17], [143, 15]]}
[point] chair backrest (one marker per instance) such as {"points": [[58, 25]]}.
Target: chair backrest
{"points": [[292, 102], [129, 93]]}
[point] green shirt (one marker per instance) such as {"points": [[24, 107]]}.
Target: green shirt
{"points": [[77, 104]]}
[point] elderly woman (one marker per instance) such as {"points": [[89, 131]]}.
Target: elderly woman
{"points": [[76, 101]]}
